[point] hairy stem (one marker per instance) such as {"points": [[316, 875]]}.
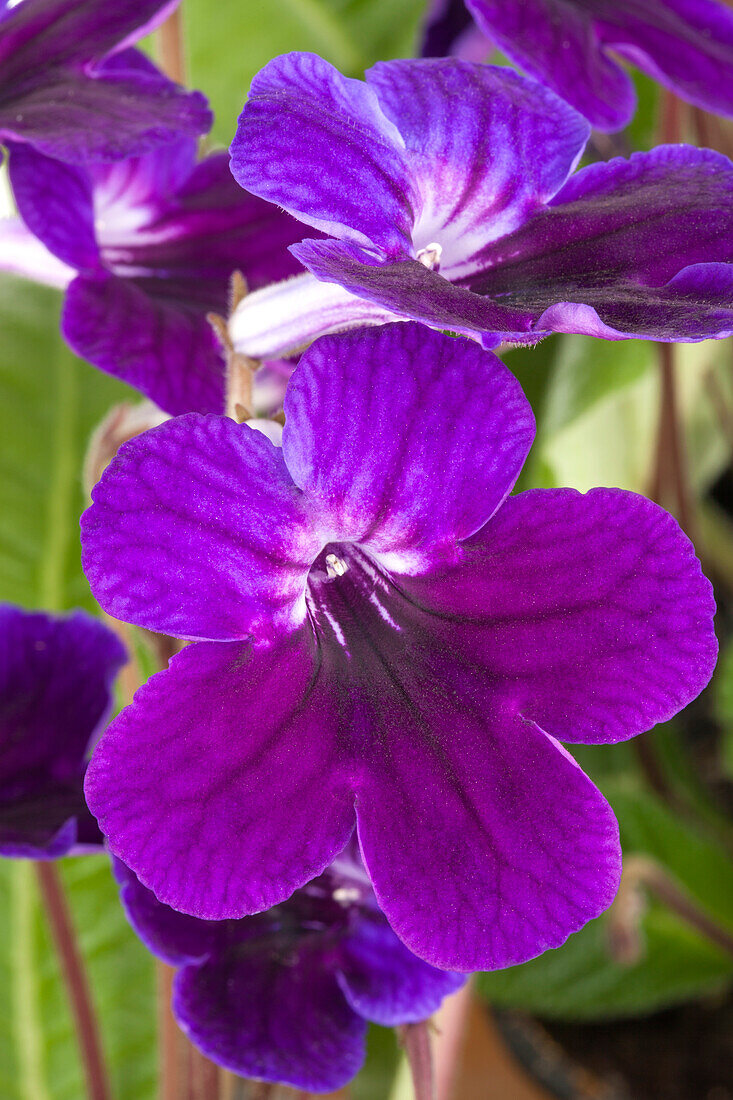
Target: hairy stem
{"points": [[170, 47], [75, 979], [416, 1040]]}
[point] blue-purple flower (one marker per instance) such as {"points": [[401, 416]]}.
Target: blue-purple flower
{"points": [[384, 638], [70, 86], [447, 191], [155, 241], [575, 46], [286, 995], [56, 675]]}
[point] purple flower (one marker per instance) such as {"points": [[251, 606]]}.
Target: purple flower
{"points": [[72, 89], [385, 638], [155, 241], [447, 188], [55, 692], [286, 995], [687, 45]]}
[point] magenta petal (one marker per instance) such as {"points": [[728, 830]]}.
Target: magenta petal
{"points": [[134, 331], [484, 840], [241, 795], [266, 1014], [299, 110], [181, 539], [395, 471], [590, 613], [386, 983]]}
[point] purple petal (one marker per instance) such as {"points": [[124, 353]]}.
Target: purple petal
{"points": [[449, 29], [56, 202], [472, 135], [555, 41], [685, 44], [74, 31], [300, 110], [612, 240], [386, 983], [174, 937], [132, 330], [180, 537], [590, 612], [396, 472], [484, 840], [243, 797], [55, 687], [409, 289], [265, 1015]]}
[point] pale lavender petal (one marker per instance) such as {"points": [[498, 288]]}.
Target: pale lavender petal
{"points": [[555, 41], [23, 254], [397, 472], [56, 202], [244, 796], [280, 1017], [56, 675], [590, 613], [181, 538], [299, 112], [485, 148], [163, 347], [386, 983]]}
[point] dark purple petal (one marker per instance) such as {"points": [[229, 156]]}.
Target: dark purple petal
{"points": [[243, 796], [272, 1014], [395, 471], [174, 937], [449, 29], [590, 613], [555, 41], [134, 331], [485, 149], [484, 840], [685, 44], [56, 202], [409, 289], [299, 113], [386, 983], [55, 691], [197, 530]]}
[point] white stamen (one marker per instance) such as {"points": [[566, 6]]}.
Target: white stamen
{"points": [[346, 895], [430, 256], [335, 567]]}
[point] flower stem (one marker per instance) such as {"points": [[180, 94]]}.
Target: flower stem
{"points": [[416, 1040], [75, 978], [170, 47]]}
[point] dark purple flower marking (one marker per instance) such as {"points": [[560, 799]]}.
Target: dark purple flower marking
{"points": [[55, 692], [446, 190], [71, 88], [384, 637], [155, 241], [569, 45], [286, 995]]}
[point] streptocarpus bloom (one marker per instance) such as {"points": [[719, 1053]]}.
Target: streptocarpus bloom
{"points": [[55, 691], [286, 995], [569, 45], [383, 638], [448, 193], [155, 241], [71, 88]]}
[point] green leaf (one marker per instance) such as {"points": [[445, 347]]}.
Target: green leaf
{"points": [[228, 43], [50, 402], [581, 981]]}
